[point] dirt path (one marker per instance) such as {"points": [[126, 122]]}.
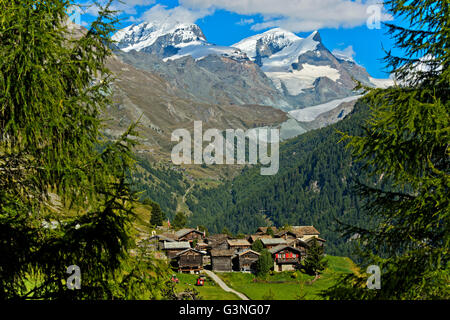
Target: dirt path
{"points": [[187, 192], [223, 285], [182, 207]]}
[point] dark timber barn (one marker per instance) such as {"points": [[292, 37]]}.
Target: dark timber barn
{"points": [[189, 260], [246, 260], [221, 260]]}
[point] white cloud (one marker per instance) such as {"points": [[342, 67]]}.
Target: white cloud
{"points": [[129, 6], [160, 13], [294, 15]]}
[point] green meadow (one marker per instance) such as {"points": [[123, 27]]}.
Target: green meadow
{"points": [[288, 285], [210, 291]]}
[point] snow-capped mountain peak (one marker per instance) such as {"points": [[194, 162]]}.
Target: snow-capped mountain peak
{"points": [[147, 34], [299, 71], [267, 43], [171, 41], [285, 58]]}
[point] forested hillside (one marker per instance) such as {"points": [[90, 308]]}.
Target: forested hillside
{"points": [[160, 184], [313, 187]]}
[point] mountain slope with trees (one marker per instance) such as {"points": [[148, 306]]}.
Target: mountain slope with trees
{"points": [[313, 187]]}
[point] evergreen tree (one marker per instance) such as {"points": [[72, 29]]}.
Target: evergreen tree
{"points": [[179, 221], [270, 232], [257, 246], [315, 261], [147, 202], [204, 229], [406, 150], [227, 232], [264, 263], [55, 166], [158, 216]]}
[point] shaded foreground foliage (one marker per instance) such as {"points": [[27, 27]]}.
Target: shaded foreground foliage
{"points": [[405, 146], [65, 197]]}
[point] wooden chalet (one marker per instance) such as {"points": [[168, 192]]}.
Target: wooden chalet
{"points": [[308, 239], [252, 238], [302, 231], [156, 242], [204, 247], [288, 234], [245, 261], [189, 235], [201, 246], [217, 237], [173, 248], [189, 260], [298, 244], [221, 260], [270, 243], [217, 242], [238, 244], [285, 258]]}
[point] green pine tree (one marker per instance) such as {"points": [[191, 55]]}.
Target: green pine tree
{"points": [[179, 221], [264, 263], [203, 229], [56, 167], [315, 261], [158, 216], [406, 150], [257, 246], [270, 232], [227, 232]]}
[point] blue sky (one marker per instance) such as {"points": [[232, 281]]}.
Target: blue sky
{"points": [[343, 24]]}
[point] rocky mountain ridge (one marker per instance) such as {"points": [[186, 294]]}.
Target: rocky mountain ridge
{"points": [[275, 68]]}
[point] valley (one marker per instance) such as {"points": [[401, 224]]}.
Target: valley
{"points": [[170, 76]]}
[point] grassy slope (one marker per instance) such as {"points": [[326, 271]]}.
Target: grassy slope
{"points": [[290, 288], [210, 291]]}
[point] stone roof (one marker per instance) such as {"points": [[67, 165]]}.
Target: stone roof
{"points": [[298, 241], [161, 237], [170, 235], [187, 250], [255, 237], [238, 242], [177, 245], [273, 241], [311, 237], [246, 251], [183, 232], [305, 230], [217, 237], [295, 233], [282, 247]]}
